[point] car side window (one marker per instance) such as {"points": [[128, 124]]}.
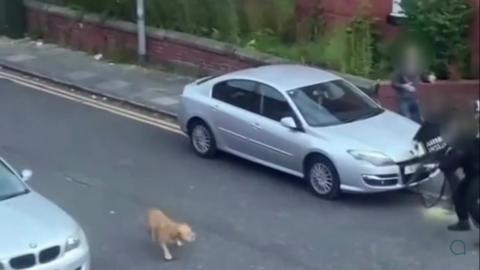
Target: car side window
{"points": [[239, 93], [274, 105]]}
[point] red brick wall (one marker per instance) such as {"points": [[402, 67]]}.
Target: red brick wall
{"points": [[94, 38], [461, 93], [164, 51]]}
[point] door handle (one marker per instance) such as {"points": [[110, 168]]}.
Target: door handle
{"points": [[214, 107], [257, 125]]}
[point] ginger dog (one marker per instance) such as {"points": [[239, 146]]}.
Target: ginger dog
{"points": [[164, 231]]}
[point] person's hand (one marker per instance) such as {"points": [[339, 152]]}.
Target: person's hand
{"points": [[432, 78], [409, 87]]}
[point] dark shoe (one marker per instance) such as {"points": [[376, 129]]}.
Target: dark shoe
{"points": [[460, 226]]}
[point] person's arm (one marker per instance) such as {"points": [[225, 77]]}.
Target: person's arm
{"points": [[400, 85]]}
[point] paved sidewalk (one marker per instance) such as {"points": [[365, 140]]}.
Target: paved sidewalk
{"points": [[153, 89]]}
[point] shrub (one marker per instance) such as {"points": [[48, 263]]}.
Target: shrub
{"points": [[360, 46], [443, 27]]}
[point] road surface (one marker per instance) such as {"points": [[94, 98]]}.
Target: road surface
{"points": [[107, 170]]}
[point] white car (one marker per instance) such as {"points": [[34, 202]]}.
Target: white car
{"points": [[306, 122], [35, 234]]}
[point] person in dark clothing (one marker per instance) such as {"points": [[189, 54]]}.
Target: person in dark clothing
{"points": [[460, 131], [455, 160], [405, 81]]}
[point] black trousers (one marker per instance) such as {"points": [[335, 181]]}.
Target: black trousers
{"points": [[449, 165]]}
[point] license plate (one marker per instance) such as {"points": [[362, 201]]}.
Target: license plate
{"points": [[411, 168]]}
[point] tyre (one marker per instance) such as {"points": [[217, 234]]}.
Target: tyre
{"points": [[323, 178], [202, 139]]}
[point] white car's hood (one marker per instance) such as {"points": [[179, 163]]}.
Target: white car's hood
{"points": [[387, 132], [31, 220]]}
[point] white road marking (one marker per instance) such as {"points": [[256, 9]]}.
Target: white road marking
{"points": [[20, 57], [172, 127]]}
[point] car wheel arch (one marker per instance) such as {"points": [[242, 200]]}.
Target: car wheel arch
{"points": [[194, 120], [317, 154]]}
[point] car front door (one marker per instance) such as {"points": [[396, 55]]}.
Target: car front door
{"points": [[275, 143], [235, 105]]}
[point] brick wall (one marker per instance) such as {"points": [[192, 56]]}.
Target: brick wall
{"points": [[167, 52], [461, 93], [96, 38]]}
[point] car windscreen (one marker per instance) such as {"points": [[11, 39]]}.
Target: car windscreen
{"points": [[333, 103], [10, 184]]}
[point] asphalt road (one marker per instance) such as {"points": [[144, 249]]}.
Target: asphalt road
{"points": [[106, 171]]}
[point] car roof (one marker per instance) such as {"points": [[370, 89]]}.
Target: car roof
{"points": [[282, 77]]}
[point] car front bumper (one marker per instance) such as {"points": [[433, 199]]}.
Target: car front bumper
{"points": [[367, 178], [77, 259]]}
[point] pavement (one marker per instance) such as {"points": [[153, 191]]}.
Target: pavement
{"points": [[106, 170], [150, 88]]}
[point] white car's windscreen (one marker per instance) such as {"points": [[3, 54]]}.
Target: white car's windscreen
{"points": [[10, 185]]}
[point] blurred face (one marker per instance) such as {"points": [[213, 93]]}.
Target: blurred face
{"points": [[411, 54], [412, 59]]}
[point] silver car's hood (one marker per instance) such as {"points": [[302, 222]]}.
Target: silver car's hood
{"points": [[32, 220], [387, 132]]}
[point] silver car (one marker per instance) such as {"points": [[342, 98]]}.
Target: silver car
{"points": [[34, 233], [306, 122]]}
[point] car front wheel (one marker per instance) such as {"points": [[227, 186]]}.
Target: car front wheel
{"points": [[202, 140], [323, 178]]}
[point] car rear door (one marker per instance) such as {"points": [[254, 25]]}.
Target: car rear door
{"points": [[235, 105]]}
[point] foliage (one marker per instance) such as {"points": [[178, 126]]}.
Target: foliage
{"points": [[124, 9], [442, 26], [276, 16], [360, 46]]}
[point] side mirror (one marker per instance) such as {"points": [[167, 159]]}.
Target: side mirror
{"points": [[26, 175], [288, 122]]}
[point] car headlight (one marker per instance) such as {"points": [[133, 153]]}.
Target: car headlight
{"points": [[376, 158], [73, 241]]}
